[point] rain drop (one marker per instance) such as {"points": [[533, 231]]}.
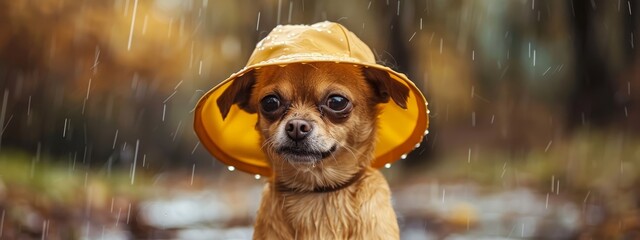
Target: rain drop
{"points": [[548, 145], [258, 22], [115, 138], [546, 203], [133, 22], [128, 213], [193, 173], [135, 160], [64, 130], [164, 110], [626, 111], [144, 24], [533, 4], [195, 147], [290, 9]]}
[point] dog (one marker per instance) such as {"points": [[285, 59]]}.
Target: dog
{"points": [[317, 122]]}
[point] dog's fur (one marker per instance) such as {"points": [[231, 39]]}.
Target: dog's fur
{"points": [[361, 210]]}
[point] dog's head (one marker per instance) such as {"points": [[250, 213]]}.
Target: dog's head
{"points": [[315, 117]]}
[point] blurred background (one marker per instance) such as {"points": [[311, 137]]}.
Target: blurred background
{"points": [[535, 115]]}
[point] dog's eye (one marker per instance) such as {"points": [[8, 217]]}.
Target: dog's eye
{"points": [[337, 102], [270, 103]]}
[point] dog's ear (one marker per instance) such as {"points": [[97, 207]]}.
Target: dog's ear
{"points": [[385, 87], [238, 93]]}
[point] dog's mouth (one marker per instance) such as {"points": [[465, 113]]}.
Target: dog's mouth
{"points": [[301, 154]]}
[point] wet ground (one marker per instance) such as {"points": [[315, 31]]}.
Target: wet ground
{"points": [[425, 211], [223, 206]]}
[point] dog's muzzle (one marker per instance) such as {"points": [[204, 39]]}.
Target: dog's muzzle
{"points": [[303, 154]]}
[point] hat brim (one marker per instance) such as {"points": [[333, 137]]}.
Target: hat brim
{"points": [[235, 142]]}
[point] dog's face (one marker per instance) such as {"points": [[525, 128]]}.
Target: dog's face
{"points": [[315, 117]]}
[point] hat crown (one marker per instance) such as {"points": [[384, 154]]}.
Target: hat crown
{"points": [[324, 41]]}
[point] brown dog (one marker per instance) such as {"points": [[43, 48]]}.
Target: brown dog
{"points": [[317, 122]]}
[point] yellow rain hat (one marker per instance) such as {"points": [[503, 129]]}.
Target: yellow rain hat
{"points": [[234, 141]]}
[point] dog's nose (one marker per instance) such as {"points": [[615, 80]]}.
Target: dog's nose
{"points": [[298, 129]]}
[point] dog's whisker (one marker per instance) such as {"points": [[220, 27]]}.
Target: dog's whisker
{"points": [[269, 141], [345, 146], [333, 153]]}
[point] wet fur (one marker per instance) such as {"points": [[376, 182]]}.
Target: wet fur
{"points": [[360, 211]]}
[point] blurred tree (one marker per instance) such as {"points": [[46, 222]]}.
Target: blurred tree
{"points": [[593, 99]]}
